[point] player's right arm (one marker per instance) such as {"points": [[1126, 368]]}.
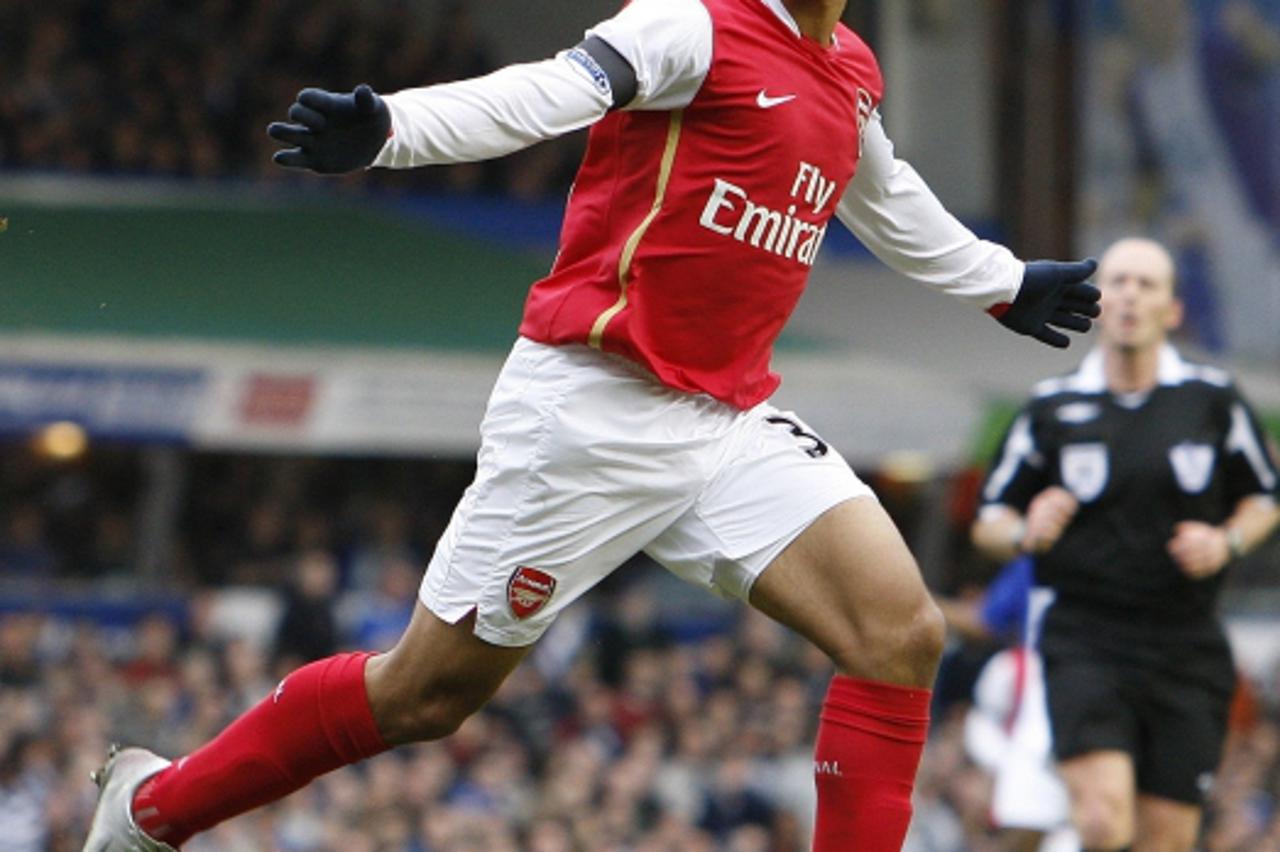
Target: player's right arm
{"points": [[653, 54]]}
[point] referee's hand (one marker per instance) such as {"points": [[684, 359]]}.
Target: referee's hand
{"points": [[1047, 518], [1201, 550]]}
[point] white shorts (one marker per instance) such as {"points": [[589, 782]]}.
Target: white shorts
{"points": [[585, 460]]}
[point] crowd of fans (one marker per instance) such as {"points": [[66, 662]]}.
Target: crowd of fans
{"points": [[633, 726], [137, 87], [620, 738]]}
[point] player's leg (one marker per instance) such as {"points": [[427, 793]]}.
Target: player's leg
{"points": [[1102, 789], [785, 524], [581, 464], [325, 715], [1166, 825], [436, 676], [850, 586]]}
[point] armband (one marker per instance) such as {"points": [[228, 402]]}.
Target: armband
{"points": [[607, 69]]}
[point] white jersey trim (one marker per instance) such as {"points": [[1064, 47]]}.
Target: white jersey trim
{"points": [[1091, 376], [1244, 440], [1018, 448]]}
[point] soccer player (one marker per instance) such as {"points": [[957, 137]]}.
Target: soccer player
{"points": [[632, 413], [1137, 481]]}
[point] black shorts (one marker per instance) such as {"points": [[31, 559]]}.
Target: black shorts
{"points": [[1173, 727]]}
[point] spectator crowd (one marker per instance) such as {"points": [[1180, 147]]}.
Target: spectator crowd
{"points": [[149, 87], [635, 726]]}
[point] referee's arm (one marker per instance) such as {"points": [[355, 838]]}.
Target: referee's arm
{"points": [[1253, 482], [1252, 522], [1021, 511], [1253, 468], [1253, 486], [999, 532], [1002, 532]]}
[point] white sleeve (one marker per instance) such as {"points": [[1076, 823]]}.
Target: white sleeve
{"points": [[491, 116], [667, 43], [893, 212]]}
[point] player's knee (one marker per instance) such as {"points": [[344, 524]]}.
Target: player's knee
{"points": [[925, 634], [915, 636], [902, 646]]}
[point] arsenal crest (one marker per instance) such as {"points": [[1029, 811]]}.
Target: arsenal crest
{"points": [[1085, 470], [528, 591], [1192, 465]]}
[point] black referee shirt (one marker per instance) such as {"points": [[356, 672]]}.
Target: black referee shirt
{"points": [[1190, 449]]}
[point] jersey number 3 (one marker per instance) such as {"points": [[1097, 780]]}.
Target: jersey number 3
{"points": [[817, 448]]}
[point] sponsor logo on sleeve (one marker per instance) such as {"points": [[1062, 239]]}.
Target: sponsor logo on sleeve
{"points": [[586, 64]]}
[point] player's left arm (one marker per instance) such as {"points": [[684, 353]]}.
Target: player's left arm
{"points": [[1253, 483], [890, 208]]}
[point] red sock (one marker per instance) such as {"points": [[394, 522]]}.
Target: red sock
{"points": [[317, 720], [869, 745]]}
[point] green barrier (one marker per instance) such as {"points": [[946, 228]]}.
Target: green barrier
{"points": [[331, 275], [291, 275]]}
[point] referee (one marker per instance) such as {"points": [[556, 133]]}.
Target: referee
{"points": [[1136, 480]]}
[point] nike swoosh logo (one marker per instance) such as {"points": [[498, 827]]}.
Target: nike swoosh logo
{"points": [[766, 102]]}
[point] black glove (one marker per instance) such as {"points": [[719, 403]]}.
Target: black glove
{"points": [[1052, 294], [333, 133]]}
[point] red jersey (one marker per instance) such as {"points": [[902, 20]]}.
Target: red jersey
{"points": [[689, 234]]}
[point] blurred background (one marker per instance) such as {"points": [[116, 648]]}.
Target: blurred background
{"points": [[237, 405]]}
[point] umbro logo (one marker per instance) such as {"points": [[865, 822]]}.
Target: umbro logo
{"points": [[765, 102]]}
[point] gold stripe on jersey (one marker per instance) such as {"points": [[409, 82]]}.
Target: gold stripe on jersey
{"points": [[596, 338]]}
